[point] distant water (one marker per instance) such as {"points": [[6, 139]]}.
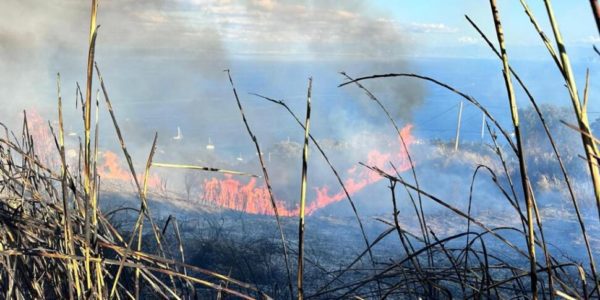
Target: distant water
{"points": [[205, 107]]}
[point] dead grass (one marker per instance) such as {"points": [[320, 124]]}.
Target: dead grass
{"points": [[55, 242]]}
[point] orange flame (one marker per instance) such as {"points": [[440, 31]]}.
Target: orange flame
{"points": [[250, 198], [110, 169], [253, 197], [43, 141], [232, 194]]}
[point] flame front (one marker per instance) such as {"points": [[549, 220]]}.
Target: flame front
{"points": [[43, 140], [110, 169], [251, 198]]}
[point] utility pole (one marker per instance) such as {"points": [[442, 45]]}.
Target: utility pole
{"points": [[482, 126], [460, 109]]}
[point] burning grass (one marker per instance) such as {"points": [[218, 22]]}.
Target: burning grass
{"points": [[55, 241], [45, 235]]}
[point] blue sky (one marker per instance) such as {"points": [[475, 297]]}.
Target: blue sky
{"points": [[285, 28], [574, 17], [422, 28], [171, 41]]}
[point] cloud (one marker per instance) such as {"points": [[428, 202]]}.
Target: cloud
{"points": [[159, 49], [349, 32], [154, 27], [203, 28], [329, 28], [431, 28], [591, 39], [468, 40]]}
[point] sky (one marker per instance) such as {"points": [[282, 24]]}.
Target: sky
{"points": [[162, 61], [163, 50], [269, 28], [518, 30]]}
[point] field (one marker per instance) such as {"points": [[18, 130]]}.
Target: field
{"points": [[508, 208]]}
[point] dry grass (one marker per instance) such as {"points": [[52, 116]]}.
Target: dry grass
{"points": [[43, 242], [55, 242]]}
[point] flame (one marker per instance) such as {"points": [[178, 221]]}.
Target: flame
{"points": [[253, 197], [250, 198], [110, 169], [43, 141]]}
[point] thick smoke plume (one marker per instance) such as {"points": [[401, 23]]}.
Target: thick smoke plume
{"points": [[174, 50], [162, 62]]}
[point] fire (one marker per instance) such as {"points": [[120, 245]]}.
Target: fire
{"points": [[109, 165], [43, 141], [109, 168], [250, 198], [253, 197]]}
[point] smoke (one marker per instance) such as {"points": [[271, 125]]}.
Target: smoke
{"points": [[150, 52], [169, 51], [162, 62], [40, 39], [346, 35]]}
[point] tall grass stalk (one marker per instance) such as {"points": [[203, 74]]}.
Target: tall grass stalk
{"points": [[303, 184], [529, 205], [559, 158], [200, 168], [591, 149], [267, 183], [596, 12], [333, 170], [144, 209], [87, 123], [72, 266], [420, 213]]}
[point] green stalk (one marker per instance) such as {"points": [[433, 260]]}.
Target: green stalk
{"points": [[520, 153], [303, 195], [87, 123], [591, 150]]}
